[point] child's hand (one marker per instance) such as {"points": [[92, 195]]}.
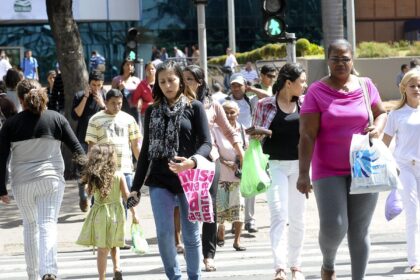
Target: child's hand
{"points": [[135, 219]]}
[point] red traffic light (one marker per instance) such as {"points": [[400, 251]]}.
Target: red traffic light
{"points": [[273, 7]]}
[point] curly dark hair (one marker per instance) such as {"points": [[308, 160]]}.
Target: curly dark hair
{"points": [[99, 170]]}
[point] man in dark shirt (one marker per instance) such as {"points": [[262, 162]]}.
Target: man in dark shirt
{"points": [[86, 103]]}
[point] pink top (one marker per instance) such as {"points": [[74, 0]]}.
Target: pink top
{"points": [[226, 151], [341, 116], [216, 117]]}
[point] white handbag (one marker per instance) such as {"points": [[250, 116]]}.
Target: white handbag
{"points": [[373, 168]]}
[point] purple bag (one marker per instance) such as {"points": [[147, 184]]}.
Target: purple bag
{"points": [[393, 204]]}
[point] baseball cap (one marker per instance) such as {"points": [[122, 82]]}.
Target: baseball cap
{"points": [[237, 78]]}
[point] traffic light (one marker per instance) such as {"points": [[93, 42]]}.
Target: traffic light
{"points": [[274, 18], [132, 39]]}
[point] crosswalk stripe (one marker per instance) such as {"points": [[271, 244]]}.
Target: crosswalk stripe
{"points": [[388, 261]]}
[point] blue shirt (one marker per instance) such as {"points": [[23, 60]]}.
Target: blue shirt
{"points": [[29, 66]]}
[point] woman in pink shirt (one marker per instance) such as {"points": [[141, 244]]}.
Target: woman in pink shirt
{"points": [[333, 111]]}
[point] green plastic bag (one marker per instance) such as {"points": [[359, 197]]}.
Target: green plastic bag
{"points": [[140, 245], [255, 177]]}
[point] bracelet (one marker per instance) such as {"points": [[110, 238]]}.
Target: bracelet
{"points": [[195, 161]]}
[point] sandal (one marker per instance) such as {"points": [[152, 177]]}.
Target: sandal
{"points": [[117, 275], [297, 273], [415, 269], [209, 265], [179, 249], [280, 275], [239, 247]]}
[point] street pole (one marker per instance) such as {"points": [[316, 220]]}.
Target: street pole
{"points": [[202, 38], [291, 47], [231, 24], [351, 30]]}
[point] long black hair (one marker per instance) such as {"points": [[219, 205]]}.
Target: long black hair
{"points": [[157, 92], [289, 71], [203, 90]]}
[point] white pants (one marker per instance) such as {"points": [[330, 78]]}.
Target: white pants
{"points": [[39, 203], [287, 208], [410, 179]]}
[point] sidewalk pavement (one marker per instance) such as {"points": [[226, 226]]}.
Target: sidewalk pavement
{"points": [[71, 221]]}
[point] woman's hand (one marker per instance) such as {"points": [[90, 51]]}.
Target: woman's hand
{"points": [[373, 131], [179, 164], [5, 199], [133, 199], [258, 137], [231, 164], [304, 184]]}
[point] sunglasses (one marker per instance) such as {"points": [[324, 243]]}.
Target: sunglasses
{"points": [[340, 59]]}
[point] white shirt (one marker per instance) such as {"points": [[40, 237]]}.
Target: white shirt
{"points": [[404, 123], [219, 97], [245, 116], [231, 61], [4, 66], [250, 76]]}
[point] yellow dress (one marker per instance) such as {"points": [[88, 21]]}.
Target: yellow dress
{"points": [[105, 223]]}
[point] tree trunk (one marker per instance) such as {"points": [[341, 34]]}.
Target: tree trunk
{"points": [[70, 57], [332, 21]]}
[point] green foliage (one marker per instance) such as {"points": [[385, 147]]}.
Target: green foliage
{"points": [[375, 49], [414, 49], [269, 51], [302, 47], [401, 45]]}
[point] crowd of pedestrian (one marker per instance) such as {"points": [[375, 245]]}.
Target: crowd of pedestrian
{"points": [[151, 131]]}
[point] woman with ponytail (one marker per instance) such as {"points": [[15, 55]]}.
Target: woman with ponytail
{"points": [[33, 139], [280, 114]]}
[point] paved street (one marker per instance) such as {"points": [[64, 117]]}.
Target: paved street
{"points": [[388, 257]]}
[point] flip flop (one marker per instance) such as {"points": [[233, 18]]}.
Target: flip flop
{"points": [[209, 265]]}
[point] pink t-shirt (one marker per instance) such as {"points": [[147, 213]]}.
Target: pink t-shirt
{"points": [[341, 116]]}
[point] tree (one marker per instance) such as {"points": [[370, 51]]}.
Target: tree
{"points": [[70, 57], [332, 21]]}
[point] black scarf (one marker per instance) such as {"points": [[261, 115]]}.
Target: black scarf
{"points": [[164, 138]]}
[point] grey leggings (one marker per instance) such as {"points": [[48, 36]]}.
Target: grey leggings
{"points": [[341, 213]]}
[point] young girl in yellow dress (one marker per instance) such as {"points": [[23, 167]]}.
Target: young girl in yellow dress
{"points": [[105, 223]]}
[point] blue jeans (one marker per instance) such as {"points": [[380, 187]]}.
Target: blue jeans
{"points": [[163, 203]]}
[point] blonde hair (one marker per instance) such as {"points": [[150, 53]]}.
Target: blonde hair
{"points": [[412, 74], [100, 168], [231, 104]]}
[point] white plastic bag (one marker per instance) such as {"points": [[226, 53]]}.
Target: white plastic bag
{"points": [[373, 168], [140, 245], [394, 203]]}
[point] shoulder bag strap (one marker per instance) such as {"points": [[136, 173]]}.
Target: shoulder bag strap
{"points": [[243, 136], [366, 97]]}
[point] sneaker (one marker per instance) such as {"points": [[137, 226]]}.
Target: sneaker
{"points": [[84, 205], [49, 277]]}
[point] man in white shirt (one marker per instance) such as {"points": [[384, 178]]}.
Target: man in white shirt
{"points": [[250, 75], [229, 67]]}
